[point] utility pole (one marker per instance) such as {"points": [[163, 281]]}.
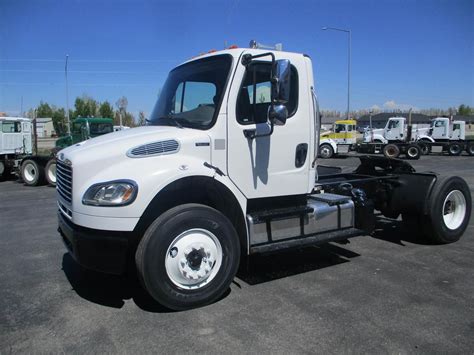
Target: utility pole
{"points": [[349, 32], [68, 123]]}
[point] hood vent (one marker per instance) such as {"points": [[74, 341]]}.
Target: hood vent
{"points": [[152, 149]]}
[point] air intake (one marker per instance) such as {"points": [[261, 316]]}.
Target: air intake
{"points": [[152, 149]]}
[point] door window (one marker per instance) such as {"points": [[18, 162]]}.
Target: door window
{"points": [[255, 94], [393, 124], [11, 127]]}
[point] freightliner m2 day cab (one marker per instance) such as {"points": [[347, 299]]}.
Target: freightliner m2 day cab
{"points": [[227, 168]]}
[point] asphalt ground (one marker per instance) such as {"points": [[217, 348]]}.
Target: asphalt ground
{"points": [[385, 293]]}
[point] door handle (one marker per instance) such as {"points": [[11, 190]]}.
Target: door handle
{"points": [[300, 155]]}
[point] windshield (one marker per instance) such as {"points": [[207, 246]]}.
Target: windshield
{"points": [[192, 94]]}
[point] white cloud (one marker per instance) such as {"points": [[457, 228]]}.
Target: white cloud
{"points": [[392, 105], [375, 108]]}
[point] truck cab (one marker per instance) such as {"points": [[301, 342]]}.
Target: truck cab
{"points": [[394, 130], [225, 169], [340, 139], [15, 140], [443, 129], [85, 128]]}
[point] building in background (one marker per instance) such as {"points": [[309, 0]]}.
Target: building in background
{"points": [[45, 128]]}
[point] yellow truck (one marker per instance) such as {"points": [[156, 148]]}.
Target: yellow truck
{"points": [[340, 139]]}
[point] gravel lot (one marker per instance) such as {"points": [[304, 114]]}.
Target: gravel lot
{"points": [[379, 294]]}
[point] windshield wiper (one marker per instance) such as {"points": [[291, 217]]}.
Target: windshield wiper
{"points": [[174, 120]]}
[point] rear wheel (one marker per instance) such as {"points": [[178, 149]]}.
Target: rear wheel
{"points": [[413, 152], [424, 148], [449, 211], [188, 256], [50, 172], [391, 151], [454, 149], [326, 151], [32, 172], [470, 148]]}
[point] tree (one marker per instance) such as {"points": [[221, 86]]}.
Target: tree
{"points": [[59, 121], [85, 106], [44, 110], [106, 110], [464, 110], [141, 119]]}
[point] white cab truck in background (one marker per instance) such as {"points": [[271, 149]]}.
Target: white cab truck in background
{"points": [[15, 142], [443, 135], [227, 168]]}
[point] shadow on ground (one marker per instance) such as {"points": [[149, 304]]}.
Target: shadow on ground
{"points": [[112, 290]]}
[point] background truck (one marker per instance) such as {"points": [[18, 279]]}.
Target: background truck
{"points": [[340, 139], [445, 135], [19, 153], [222, 173], [394, 139]]}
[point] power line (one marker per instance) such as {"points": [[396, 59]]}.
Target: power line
{"points": [[94, 60], [82, 71]]}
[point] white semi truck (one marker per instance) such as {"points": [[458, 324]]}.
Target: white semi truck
{"points": [[220, 174], [445, 135]]}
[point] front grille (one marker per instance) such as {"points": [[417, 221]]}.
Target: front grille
{"points": [[64, 181]]}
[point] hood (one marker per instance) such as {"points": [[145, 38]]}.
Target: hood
{"points": [[115, 145]]}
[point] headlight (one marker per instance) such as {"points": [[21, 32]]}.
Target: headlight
{"points": [[112, 193]]}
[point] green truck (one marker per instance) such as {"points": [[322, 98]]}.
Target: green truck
{"points": [[38, 169]]}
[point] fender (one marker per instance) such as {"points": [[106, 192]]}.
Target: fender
{"points": [[380, 138], [330, 142], [425, 138]]}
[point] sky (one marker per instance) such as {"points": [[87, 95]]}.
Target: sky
{"points": [[405, 54]]}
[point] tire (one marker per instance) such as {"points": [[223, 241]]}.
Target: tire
{"points": [[195, 234], [326, 151], [470, 148], [32, 173], [391, 151], [424, 148], [50, 172], [449, 210], [454, 149], [413, 152], [3, 168]]}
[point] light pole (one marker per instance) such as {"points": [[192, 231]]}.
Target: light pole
{"points": [[348, 64], [68, 124]]}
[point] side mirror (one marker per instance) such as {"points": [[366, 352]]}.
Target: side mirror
{"points": [[277, 114], [281, 81]]}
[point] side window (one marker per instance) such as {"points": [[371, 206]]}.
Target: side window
{"points": [[255, 94], [456, 126], [339, 128], [11, 127], [393, 124], [439, 124], [349, 128], [193, 94]]}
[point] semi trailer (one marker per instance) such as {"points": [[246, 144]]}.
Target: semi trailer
{"points": [[220, 174]]}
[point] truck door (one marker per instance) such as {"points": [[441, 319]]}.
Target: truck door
{"points": [[439, 129], [456, 133], [278, 164], [394, 130]]}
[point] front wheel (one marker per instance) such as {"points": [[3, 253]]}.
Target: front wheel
{"points": [[188, 256], [50, 172], [326, 151]]}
